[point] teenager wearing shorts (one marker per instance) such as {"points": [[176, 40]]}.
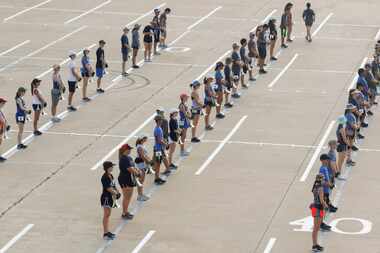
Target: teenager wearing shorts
{"points": [[252, 55], [309, 18], [3, 125], [165, 129], [163, 29], [125, 48], [156, 30], [174, 134], [272, 38], [317, 211], [158, 149], [108, 198], [262, 48], [351, 128], [87, 72], [142, 163], [342, 142], [127, 178], [227, 82], [288, 10], [184, 121], [209, 100], [21, 114], [101, 65], [38, 103], [219, 86], [148, 40], [196, 109], [244, 61], [284, 28], [56, 92], [327, 185], [236, 69], [135, 45], [72, 80], [332, 154]]}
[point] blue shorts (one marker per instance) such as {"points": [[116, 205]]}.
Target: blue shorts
{"points": [[37, 107], [100, 72], [20, 118]]}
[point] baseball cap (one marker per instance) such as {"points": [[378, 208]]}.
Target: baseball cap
{"points": [[2, 100], [183, 95], [195, 83], [102, 42], [71, 52], [125, 147], [108, 164], [350, 107], [156, 10], [324, 157], [158, 117], [36, 80]]}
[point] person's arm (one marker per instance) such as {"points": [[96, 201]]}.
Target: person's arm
{"points": [[22, 107], [75, 73], [322, 199]]}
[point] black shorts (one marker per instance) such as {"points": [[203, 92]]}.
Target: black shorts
{"points": [[157, 35], [195, 112], [209, 103], [124, 55], [106, 201], [148, 39], [20, 118], [158, 155], [37, 107], [126, 181], [341, 147], [85, 74], [72, 86], [262, 51]]}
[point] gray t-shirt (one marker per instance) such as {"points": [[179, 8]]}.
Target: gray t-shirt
{"points": [[308, 16], [135, 39]]}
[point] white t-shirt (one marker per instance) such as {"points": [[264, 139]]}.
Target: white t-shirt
{"points": [[71, 66]]}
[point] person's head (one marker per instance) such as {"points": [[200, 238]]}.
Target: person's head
{"points": [[243, 42], [265, 27], [102, 43], [158, 120], [360, 86], [288, 6], [160, 111], [20, 92], [141, 139], [136, 27], [34, 84], [235, 46], [252, 35], [195, 84], [219, 66], [350, 107], [318, 179], [173, 113], [325, 159], [342, 120], [332, 144], [272, 22], [207, 80], [168, 10], [72, 55], [2, 102], [86, 52], [228, 61], [367, 67], [56, 68], [125, 30], [360, 71], [156, 12], [183, 97], [125, 149], [308, 5], [108, 166]]}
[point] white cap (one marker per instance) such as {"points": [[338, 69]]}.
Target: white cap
{"points": [[173, 110], [161, 109], [71, 52]]}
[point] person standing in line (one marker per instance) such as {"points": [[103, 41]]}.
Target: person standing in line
{"points": [[343, 142], [142, 162], [196, 109], [219, 85], [165, 128], [272, 38], [252, 55], [284, 28], [148, 39], [135, 45], [163, 28], [21, 112], [317, 211], [184, 121], [309, 18], [108, 198], [262, 48], [244, 61], [326, 184], [288, 9], [101, 65], [38, 103], [236, 69], [127, 178], [3, 125], [56, 92], [125, 48], [87, 72], [73, 78], [209, 101], [156, 30], [158, 149], [228, 82], [174, 132]]}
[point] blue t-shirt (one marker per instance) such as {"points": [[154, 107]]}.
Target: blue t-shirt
{"points": [[158, 137], [218, 77], [332, 155], [361, 80], [124, 40], [325, 171], [85, 61]]}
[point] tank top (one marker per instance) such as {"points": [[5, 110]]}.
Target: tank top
{"points": [[139, 160], [317, 201], [194, 104], [35, 99], [19, 110], [56, 84]]}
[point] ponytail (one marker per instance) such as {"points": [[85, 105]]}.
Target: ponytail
{"points": [[120, 153]]}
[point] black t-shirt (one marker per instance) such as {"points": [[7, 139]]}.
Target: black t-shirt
{"points": [[173, 128], [125, 162], [107, 182], [100, 63], [227, 74], [148, 29], [165, 128]]}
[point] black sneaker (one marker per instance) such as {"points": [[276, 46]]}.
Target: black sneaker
{"points": [[252, 79], [235, 95], [2, 159], [284, 46], [86, 99], [317, 248], [195, 140], [351, 163], [71, 108], [337, 174], [354, 148], [262, 71], [332, 209], [375, 103], [37, 133], [159, 181], [127, 216], [370, 113], [99, 90], [135, 66], [21, 146], [109, 236], [360, 136], [365, 125], [324, 227], [173, 166], [273, 58], [166, 172], [220, 116], [209, 128], [228, 105]]}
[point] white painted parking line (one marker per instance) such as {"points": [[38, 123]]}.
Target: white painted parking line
{"points": [[145, 15], [79, 53], [14, 48], [282, 71], [317, 152], [353, 83], [221, 145], [144, 241], [87, 12], [212, 65], [204, 18], [322, 24], [16, 238], [270, 245], [377, 36], [125, 140], [42, 48], [26, 10]]}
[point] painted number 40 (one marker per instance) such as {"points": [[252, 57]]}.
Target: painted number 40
{"points": [[306, 225]]}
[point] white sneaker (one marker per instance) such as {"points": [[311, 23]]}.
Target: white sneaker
{"points": [[142, 197], [185, 153]]}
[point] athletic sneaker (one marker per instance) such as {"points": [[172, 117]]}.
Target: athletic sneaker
{"points": [[109, 236], [365, 125], [375, 103], [325, 228], [337, 174], [142, 197], [360, 136], [86, 99], [273, 58], [354, 148], [317, 248], [159, 181], [220, 116], [262, 71], [71, 108], [127, 216], [195, 140], [332, 208], [135, 66], [55, 119], [235, 95], [166, 172], [157, 53], [351, 163], [252, 79], [21, 146], [2, 159], [100, 90], [228, 105], [185, 153], [284, 46], [124, 74], [209, 128], [245, 86], [37, 132], [289, 40], [173, 166]]}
